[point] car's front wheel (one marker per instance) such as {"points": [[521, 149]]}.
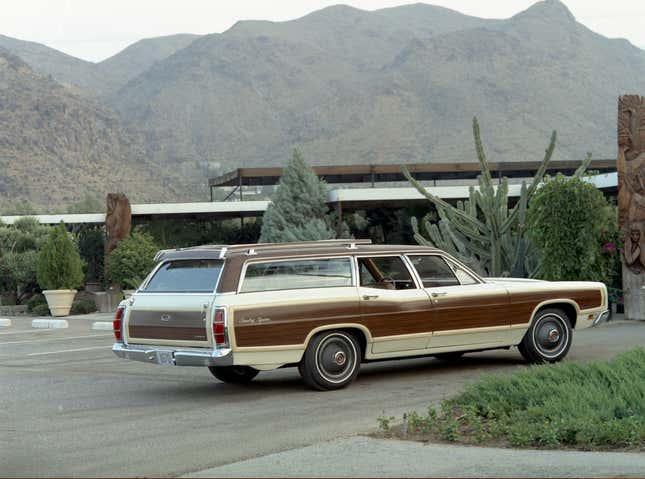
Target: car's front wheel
{"points": [[234, 374], [331, 360], [548, 339]]}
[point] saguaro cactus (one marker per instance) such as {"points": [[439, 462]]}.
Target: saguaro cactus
{"points": [[482, 231]]}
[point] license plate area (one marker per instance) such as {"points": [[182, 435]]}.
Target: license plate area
{"points": [[165, 358]]}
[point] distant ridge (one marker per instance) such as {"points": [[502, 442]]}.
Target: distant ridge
{"points": [[397, 85]]}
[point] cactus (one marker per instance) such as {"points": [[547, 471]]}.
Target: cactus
{"points": [[482, 231]]}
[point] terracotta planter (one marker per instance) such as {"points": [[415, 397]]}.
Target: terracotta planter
{"points": [[60, 301]]}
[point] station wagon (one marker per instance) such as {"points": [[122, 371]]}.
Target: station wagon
{"points": [[326, 307]]}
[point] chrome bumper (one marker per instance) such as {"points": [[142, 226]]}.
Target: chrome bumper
{"points": [[602, 317], [173, 357]]}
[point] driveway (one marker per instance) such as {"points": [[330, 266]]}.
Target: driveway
{"points": [[69, 407]]}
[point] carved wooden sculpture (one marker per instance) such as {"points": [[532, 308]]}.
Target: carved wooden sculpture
{"points": [[118, 222], [631, 200]]}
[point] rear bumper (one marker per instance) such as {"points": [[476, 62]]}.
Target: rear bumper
{"points": [[173, 357]]}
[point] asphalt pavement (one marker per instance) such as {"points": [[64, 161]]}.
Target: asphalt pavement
{"points": [[69, 407]]}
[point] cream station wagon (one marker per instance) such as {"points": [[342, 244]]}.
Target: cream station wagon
{"points": [[326, 307]]}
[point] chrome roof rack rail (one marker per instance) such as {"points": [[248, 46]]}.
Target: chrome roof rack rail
{"points": [[252, 249]]}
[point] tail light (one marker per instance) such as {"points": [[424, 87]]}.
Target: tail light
{"points": [[220, 335], [117, 324]]}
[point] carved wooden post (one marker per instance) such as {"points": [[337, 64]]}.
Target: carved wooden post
{"points": [[631, 201], [118, 222]]}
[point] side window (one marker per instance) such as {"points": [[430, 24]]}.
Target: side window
{"points": [[434, 271], [386, 272], [297, 274]]}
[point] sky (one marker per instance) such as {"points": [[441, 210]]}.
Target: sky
{"points": [[97, 29]]}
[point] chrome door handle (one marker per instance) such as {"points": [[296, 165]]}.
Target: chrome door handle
{"points": [[367, 297], [436, 295]]}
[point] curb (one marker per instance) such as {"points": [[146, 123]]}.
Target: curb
{"points": [[102, 326], [5, 323], [49, 323]]}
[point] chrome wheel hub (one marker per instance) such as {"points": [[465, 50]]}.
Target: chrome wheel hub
{"points": [[340, 358], [553, 336]]}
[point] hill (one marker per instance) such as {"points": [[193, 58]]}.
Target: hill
{"points": [[98, 79], [394, 85], [56, 145], [346, 86], [66, 69]]}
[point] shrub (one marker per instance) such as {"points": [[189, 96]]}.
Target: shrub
{"points": [[132, 259], [19, 247], [568, 222], [41, 310], [34, 301], [593, 405], [83, 306], [59, 263]]}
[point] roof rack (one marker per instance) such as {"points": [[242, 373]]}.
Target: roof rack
{"points": [[253, 248]]}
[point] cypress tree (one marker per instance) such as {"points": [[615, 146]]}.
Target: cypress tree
{"points": [[59, 263], [298, 211]]}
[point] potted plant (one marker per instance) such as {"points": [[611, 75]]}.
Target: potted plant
{"points": [[59, 270], [132, 260]]}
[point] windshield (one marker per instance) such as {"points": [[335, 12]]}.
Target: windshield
{"points": [[186, 276]]}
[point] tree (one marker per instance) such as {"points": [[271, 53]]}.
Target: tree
{"points": [[570, 222], [483, 231], [59, 263], [298, 211]]}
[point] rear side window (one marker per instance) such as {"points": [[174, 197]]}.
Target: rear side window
{"points": [[186, 276], [434, 271], [297, 274]]}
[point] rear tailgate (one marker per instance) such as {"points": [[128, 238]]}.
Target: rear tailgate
{"points": [[174, 306], [169, 319]]}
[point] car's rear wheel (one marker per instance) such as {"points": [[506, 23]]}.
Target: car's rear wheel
{"points": [[548, 339], [451, 356], [234, 374], [331, 360]]}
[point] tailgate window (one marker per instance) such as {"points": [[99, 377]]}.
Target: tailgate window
{"points": [[186, 276]]}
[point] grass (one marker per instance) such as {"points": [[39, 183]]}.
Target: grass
{"points": [[597, 405]]}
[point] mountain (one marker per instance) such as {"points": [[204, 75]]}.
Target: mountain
{"points": [[56, 145], [64, 68], [138, 57], [98, 79], [394, 85], [344, 85]]}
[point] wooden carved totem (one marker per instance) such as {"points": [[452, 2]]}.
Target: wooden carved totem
{"points": [[118, 222], [631, 201]]}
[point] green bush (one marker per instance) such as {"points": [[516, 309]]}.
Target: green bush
{"points": [[41, 310], [83, 306], [574, 229], [595, 405], [132, 259], [34, 301], [59, 263], [19, 247]]}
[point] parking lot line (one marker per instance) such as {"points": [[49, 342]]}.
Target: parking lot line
{"points": [[69, 351], [25, 331], [55, 339]]}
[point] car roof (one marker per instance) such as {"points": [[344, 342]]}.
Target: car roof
{"points": [[278, 250]]}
